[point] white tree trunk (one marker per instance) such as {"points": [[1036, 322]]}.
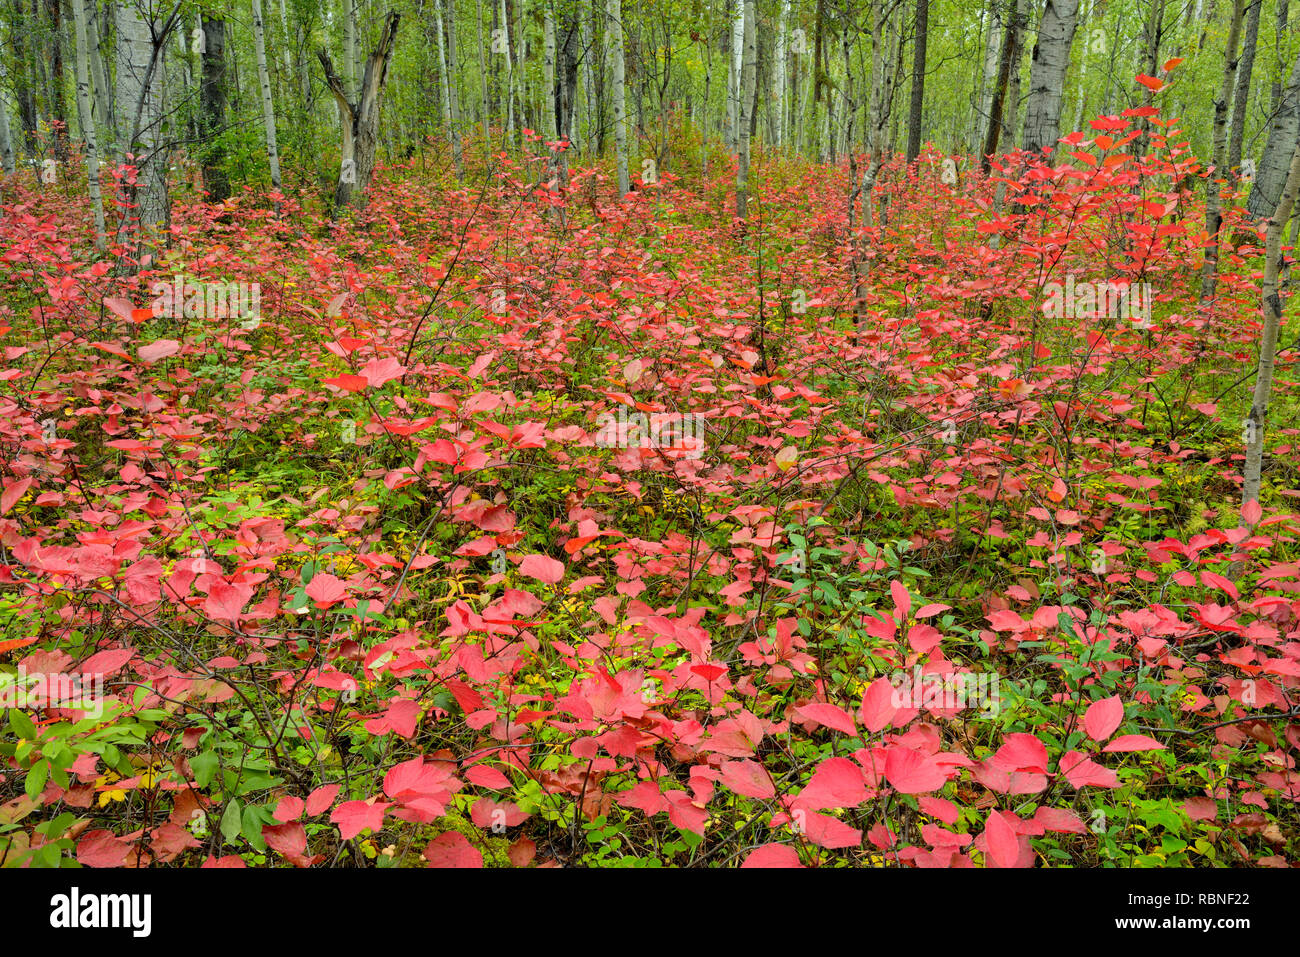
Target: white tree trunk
{"points": [[86, 113], [140, 72], [733, 76], [989, 77], [778, 76], [99, 76], [6, 141], [264, 83], [614, 31], [548, 72], [350, 46], [510, 75], [748, 76], [449, 92], [1257, 420], [1047, 74]]}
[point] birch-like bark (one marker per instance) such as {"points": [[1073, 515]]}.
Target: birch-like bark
{"points": [[7, 162], [614, 33], [99, 77], [1047, 74], [264, 84], [450, 95], [748, 75], [550, 98], [142, 34], [734, 66], [360, 123], [1213, 211], [1271, 302], [86, 113], [1245, 68], [779, 76]]}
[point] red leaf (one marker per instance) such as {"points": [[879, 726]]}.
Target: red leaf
{"points": [[1103, 717], [1081, 771], [1150, 82], [772, 855], [912, 772], [542, 568], [1004, 845], [1133, 742], [452, 850], [321, 798], [348, 382], [487, 777], [226, 602], [748, 778], [830, 715], [158, 350], [13, 493], [289, 809], [102, 848], [325, 590], [878, 707], [353, 817]]}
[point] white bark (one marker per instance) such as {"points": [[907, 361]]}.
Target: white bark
{"points": [[733, 75], [1257, 420], [778, 75], [614, 32], [264, 82], [449, 97], [548, 72], [1047, 74], [140, 72], [86, 113], [748, 76], [6, 140]]}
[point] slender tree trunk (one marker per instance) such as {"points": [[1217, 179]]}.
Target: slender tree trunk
{"points": [[918, 79], [140, 77], [1010, 43], [99, 76], [734, 67], [988, 78], [1245, 68], [1274, 162], [779, 57], [212, 109], [360, 123], [614, 32], [264, 84], [7, 161], [1213, 211], [550, 91], [58, 105], [1257, 419], [87, 115], [1047, 74], [1280, 28], [447, 21], [350, 46], [748, 89]]}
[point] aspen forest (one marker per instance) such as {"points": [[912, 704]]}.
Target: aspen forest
{"points": [[633, 434]]}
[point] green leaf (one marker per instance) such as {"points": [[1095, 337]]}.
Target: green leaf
{"points": [[204, 767], [22, 724], [230, 823], [35, 783]]}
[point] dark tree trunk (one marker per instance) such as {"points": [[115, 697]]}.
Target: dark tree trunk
{"points": [[212, 109], [918, 80]]}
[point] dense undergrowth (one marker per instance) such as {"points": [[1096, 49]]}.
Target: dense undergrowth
{"points": [[525, 527]]}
